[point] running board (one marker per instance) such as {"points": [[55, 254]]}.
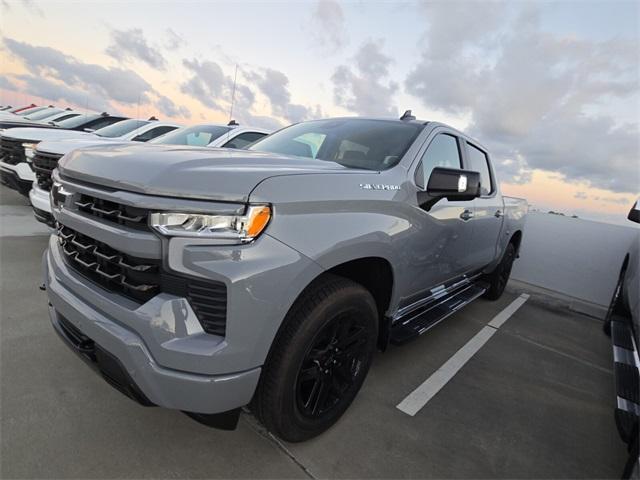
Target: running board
{"points": [[418, 321]]}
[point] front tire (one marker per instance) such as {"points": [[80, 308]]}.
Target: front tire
{"points": [[500, 276], [319, 359]]}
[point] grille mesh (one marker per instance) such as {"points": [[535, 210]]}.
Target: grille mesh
{"points": [[141, 279], [138, 279], [12, 151], [44, 164], [121, 214]]}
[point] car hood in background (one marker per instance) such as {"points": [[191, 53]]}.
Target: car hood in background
{"points": [[41, 134]]}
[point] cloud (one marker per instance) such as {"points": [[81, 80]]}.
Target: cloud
{"points": [[365, 89], [132, 45], [614, 200], [7, 84], [329, 31], [168, 107], [173, 41], [208, 83], [581, 195], [212, 87], [59, 92], [33, 7], [118, 84], [538, 100], [275, 86]]}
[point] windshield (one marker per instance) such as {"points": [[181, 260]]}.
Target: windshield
{"points": [[120, 128], [352, 142], [198, 136], [76, 121], [50, 112]]}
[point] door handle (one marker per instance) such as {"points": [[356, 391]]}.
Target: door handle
{"points": [[466, 214], [498, 214]]}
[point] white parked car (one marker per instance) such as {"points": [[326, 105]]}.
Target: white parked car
{"points": [[231, 135], [47, 153], [21, 142]]}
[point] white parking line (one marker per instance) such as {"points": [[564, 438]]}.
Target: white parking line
{"points": [[417, 399]]}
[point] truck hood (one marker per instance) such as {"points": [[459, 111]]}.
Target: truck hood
{"points": [[62, 147], [41, 134], [186, 172]]}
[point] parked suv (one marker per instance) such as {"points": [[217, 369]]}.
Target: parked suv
{"points": [[48, 153], [205, 280], [17, 145]]}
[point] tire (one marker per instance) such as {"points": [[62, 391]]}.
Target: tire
{"points": [[319, 359], [615, 305], [500, 276]]}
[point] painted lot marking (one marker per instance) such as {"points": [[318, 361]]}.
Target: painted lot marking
{"points": [[417, 399]]}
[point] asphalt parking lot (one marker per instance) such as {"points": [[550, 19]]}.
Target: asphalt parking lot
{"points": [[536, 401]]}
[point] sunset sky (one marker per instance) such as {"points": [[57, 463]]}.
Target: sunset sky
{"points": [[552, 89]]}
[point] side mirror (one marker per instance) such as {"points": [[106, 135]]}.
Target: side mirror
{"points": [[453, 184], [634, 213]]}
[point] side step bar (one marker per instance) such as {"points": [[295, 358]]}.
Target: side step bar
{"points": [[627, 378], [418, 321]]}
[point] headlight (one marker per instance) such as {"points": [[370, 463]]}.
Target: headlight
{"points": [[58, 195], [29, 150], [237, 228]]}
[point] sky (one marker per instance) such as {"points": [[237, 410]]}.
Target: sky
{"points": [[552, 89]]}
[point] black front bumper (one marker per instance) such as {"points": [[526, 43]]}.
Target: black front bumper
{"points": [[100, 360], [112, 370], [44, 217], [12, 180]]}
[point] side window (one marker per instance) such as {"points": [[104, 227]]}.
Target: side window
{"points": [[65, 117], [442, 152], [480, 163], [153, 133], [244, 139]]}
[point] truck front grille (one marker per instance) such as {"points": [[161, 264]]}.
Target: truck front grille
{"points": [[135, 278], [141, 279], [119, 213], [44, 164], [12, 151]]}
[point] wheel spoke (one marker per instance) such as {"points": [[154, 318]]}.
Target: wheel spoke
{"points": [[320, 397], [309, 373], [314, 393]]}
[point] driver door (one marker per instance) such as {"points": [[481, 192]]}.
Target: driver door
{"points": [[439, 248]]}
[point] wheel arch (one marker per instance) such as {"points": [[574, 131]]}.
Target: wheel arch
{"points": [[516, 240]]}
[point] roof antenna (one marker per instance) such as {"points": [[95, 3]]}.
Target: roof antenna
{"points": [[233, 97], [406, 116]]}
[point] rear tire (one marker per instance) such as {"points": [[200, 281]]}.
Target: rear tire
{"points": [[500, 276], [319, 359]]}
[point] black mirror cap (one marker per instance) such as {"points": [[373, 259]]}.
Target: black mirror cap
{"points": [[453, 184], [634, 213]]}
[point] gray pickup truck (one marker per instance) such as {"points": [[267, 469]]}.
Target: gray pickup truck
{"points": [[206, 280]]}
